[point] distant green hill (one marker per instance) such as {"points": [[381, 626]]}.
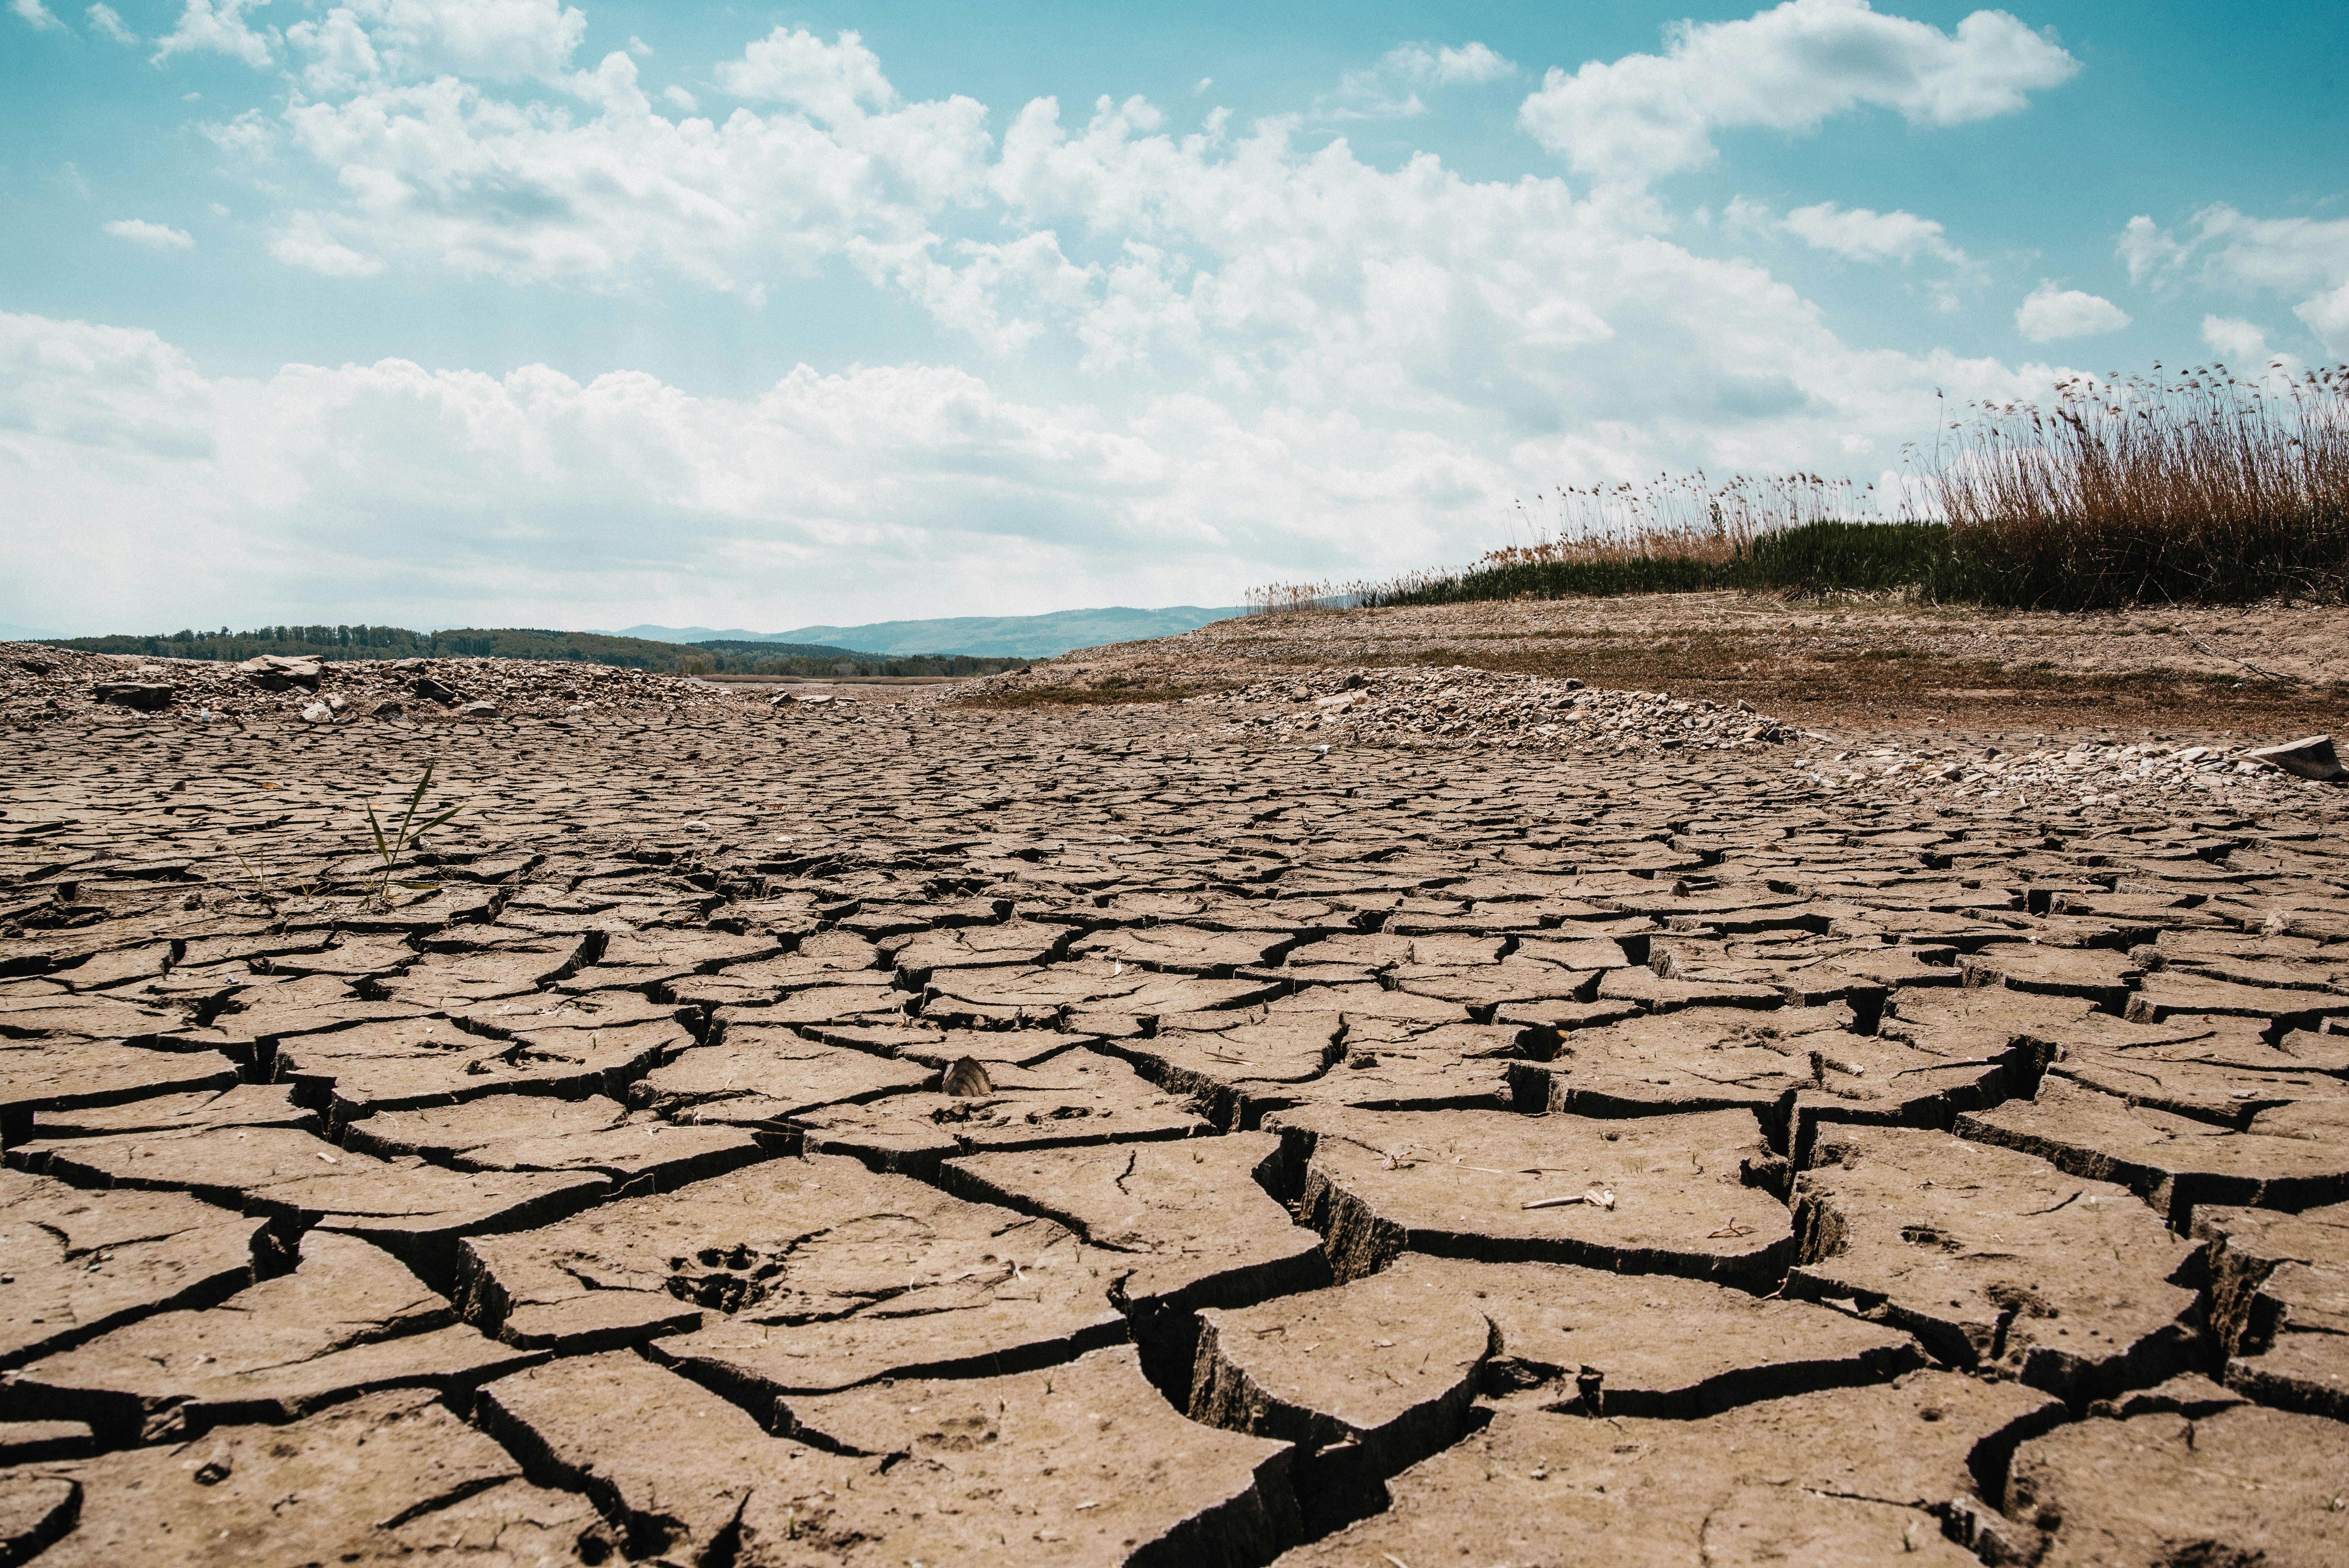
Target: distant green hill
{"points": [[340, 642], [757, 657], [983, 636]]}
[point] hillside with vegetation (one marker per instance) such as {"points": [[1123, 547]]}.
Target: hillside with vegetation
{"points": [[2195, 488], [340, 643]]}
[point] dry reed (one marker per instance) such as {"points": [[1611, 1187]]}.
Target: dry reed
{"points": [[2196, 486]]}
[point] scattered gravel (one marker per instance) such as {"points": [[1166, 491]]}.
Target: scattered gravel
{"points": [[1456, 709], [1462, 708], [1470, 707], [2091, 773], [1060, 1036], [2297, 639], [40, 684]]}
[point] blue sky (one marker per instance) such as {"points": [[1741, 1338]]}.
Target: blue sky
{"points": [[510, 312]]}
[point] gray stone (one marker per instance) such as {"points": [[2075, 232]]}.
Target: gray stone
{"points": [[2310, 757], [282, 672], [146, 696]]}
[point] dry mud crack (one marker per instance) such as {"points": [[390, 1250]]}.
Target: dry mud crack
{"points": [[1124, 1134]]}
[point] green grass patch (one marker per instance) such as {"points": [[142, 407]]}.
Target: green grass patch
{"points": [[1815, 557], [2191, 488]]}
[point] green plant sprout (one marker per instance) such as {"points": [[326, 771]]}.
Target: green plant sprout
{"points": [[404, 840], [258, 869]]}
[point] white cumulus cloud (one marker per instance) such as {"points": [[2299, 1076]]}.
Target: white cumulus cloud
{"points": [[2234, 252], [1503, 317], [496, 39], [1254, 268], [37, 16], [2327, 315], [304, 242], [1223, 354], [2148, 250], [1388, 90], [342, 53], [835, 82], [358, 41], [105, 19], [357, 489], [2233, 339], [393, 492], [1788, 69], [441, 173], [217, 27], [1861, 234], [154, 236], [2051, 314], [1441, 64]]}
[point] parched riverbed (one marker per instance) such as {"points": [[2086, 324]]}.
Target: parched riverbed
{"points": [[1265, 1127]]}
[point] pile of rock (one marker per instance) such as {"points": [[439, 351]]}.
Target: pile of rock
{"points": [[824, 703], [2092, 773], [40, 684], [1461, 707]]}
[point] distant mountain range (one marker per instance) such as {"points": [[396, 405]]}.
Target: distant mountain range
{"points": [[1002, 636], [9, 633]]}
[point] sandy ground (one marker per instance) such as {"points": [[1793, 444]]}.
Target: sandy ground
{"points": [[1402, 1116], [1869, 666]]}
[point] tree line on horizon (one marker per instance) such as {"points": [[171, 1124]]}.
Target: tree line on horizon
{"points": [[340, 643]]}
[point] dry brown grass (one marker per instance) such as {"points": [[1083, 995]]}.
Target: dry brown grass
{"points": [[2199, 486]]}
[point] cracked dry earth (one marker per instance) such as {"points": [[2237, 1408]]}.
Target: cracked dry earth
{"points": [[984, 1138]]}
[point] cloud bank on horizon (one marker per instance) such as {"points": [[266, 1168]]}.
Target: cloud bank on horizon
{"points": [[1010, 358]]}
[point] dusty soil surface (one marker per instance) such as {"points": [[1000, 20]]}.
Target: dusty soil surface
{"points": [[40, 684], [1879, 665], [1316, 1130]]}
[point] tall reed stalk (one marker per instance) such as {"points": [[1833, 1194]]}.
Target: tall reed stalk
{"points": [[2198, 486], [2193, 487]]}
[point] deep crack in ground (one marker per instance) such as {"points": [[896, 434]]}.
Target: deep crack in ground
{"points": [[1380, 1155]]}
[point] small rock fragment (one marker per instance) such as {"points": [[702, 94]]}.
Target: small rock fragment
{"points": [[966, 1079], [145, 695], [2310, 757]]}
